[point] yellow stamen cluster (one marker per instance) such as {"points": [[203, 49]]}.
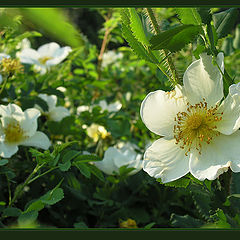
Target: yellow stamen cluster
{"points": [[13, 132], [43, 60], [11, 66], [196, 126]]}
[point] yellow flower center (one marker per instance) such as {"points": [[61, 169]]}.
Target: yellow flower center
{"points": [[43, 60], [13, 132], [196, 126]]}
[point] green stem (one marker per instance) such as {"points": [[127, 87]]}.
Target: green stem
{"points": [[18, 191], [174, 76], [4, 85], [38, 176], [9, 190]]}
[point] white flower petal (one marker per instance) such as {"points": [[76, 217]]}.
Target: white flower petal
{"points": [[39, 140], [11, 110], [231, 111], [203, 80], [29, 56], [159, 109], [29, 122], [166, 160], [51, 100], [58, 113], [82, 108], [1, 80], [48, 49], [7, 150], [107, 164], [59, 55], [216, 157], [114, 107]]}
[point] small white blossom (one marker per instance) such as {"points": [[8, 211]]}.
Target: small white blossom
{"points": [[200, 132], [83, 108], [112, 107], [44, 57], [54, 113], [19, 128], [116, 157], [110, 57]]}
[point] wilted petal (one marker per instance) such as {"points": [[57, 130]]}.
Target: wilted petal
{"points": [[39, 140], [216, 157], [159, 109], [203, 80], [166, 160]]}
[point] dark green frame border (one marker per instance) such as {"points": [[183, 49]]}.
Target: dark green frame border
{"points": [[118, 3]]}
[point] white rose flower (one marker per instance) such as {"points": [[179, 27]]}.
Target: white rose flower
{"points": [[200, 133], [44, 57], [19, 128], [114, 158], [54, 113]]}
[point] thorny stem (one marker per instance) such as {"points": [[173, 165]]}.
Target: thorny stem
{"points": [[104, 45], [174, 76]]}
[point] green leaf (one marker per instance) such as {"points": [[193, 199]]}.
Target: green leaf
{"points": [[52, 196], [205, 14], [136, 46], [52, 91], [236, 40], [83, 168], [55, 23], [65, 166], [220, 220], [150, 225], [202, 200], [189, 16], [181, 182], [95, 171], [27, 217], [3, 162], [11, 212], [87, 158], [125, 16], [175, 39], [68, 156], [224, 21], [137, 27], [35, 206], [227, 46], [185, 221]]}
